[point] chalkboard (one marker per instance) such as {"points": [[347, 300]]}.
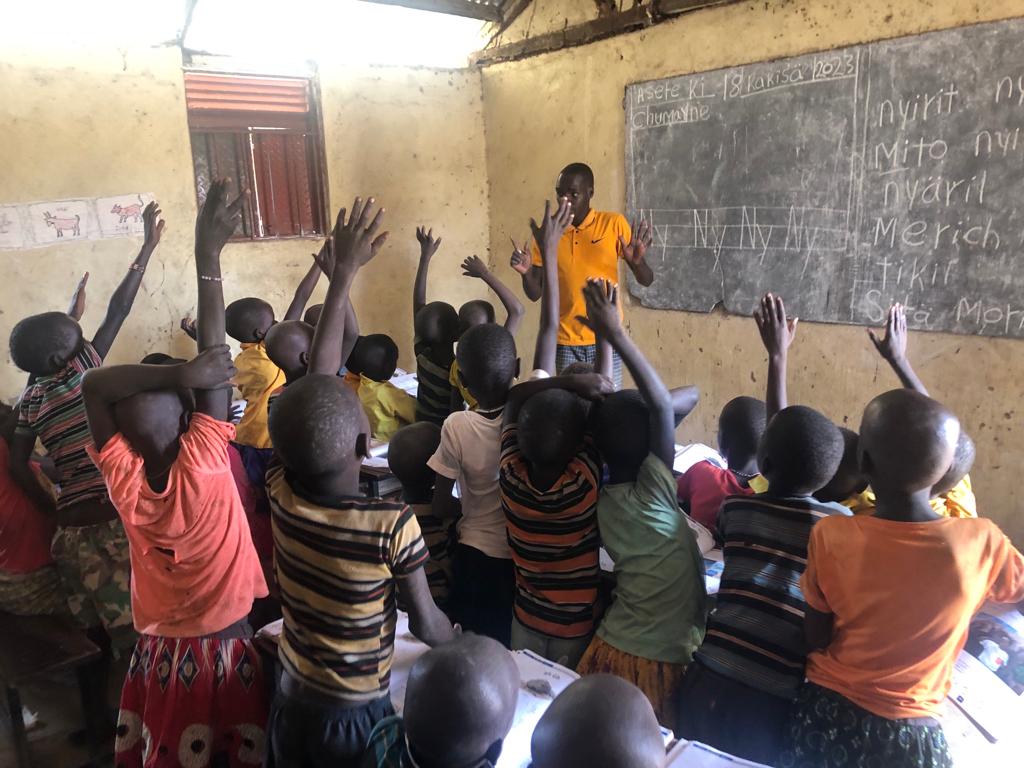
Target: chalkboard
{"points": [[843, 180]]}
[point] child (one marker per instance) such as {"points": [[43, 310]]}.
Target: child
{"points": [[890, 597], [704, 486], [436, 327], [374, 360], [195, 684], [339, 557], [288, 344], [738, 693], [29, 583], [650, 632], [600, 721], [408, 453], [459, 706], [484, 584], [89, 548], [247, 322]]}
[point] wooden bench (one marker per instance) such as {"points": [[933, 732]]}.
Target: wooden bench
{"points": [[36, 646]]}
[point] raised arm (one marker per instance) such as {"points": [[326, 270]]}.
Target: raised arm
{"points": [[77, 308], [124, 296], [893, 348], [354, 246], [604, 362], [350, 335], [102, 388], [303, 292], [514, 312], [428, 247], [634, 253], [589, 386], [777, 333], [533, 277], [603, 317], [547, 235]]}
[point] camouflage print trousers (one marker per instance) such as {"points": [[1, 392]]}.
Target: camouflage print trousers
{"points": [[94, 566], [37, 593]]}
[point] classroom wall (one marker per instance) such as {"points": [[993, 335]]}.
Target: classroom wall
{"points": [[546, 111], [92, 123]]}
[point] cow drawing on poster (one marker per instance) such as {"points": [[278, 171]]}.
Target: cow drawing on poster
{"points": [[132, 211], [63, 223]]}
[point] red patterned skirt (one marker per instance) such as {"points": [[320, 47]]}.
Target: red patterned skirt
{"points": [[192, 702]]}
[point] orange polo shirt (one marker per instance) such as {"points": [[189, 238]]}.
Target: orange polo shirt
{"points": [[590, 250]]}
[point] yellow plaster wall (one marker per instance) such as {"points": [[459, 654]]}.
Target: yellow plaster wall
{"points": [[546, 111], [92, 123]]}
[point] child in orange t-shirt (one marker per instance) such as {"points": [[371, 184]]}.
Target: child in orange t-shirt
{"points": [[890, 597], [195, 682]]}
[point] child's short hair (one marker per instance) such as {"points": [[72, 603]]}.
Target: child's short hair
{"points": [[551, 427], [963, 461], [907, 441], [161, 358], [39, 341], [409, 451], [312, 315], [740, 428], [487, 361], [622, 429], [848, 479], [315, 425], [287, 342], [600, 721], [437, 323], [460, 701], [374, 356], [475, 312], [248, 320], [800, 451]]}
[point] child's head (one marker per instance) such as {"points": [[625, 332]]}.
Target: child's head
{"points": [[248, 320], [44, 344], [963, 460], [319, 427], [475, 312], [600, 721], [288, 344], [460, 702], [800, 451], [437, 324], [488, 363], [408, 453], [374, 356], [155, 419], [551, 427], [312, 316], [848, 480], [740, 427], [161, 358], [622, 430], [907, 442]]}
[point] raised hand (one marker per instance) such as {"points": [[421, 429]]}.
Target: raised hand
{"points": [[210, 369], [777, 330], [354, 241], [549, 232], [521, 261], [217, 219], [591, 386], [153, 224], [635, 250], [77, 308], [324, 258], [602, 299], [474, 267], [188, 325], [893, 344], [428, 243]]}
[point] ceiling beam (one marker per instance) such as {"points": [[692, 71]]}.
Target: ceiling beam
{"points": [[467, 8]]}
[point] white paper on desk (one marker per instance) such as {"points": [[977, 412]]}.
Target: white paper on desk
{"points": [[713, 567], [531, 705], [688, 455], [984, 697], [693, 754], [272, 630], [376, 462]]}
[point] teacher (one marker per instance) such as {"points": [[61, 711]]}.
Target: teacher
{"points": [[590, 247]]}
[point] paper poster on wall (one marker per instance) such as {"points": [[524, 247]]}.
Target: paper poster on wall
{"points": [[122, 215], [35, 225], [11, 234]]}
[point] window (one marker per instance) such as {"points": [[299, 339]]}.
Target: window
{"points": [[263, 133]]}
